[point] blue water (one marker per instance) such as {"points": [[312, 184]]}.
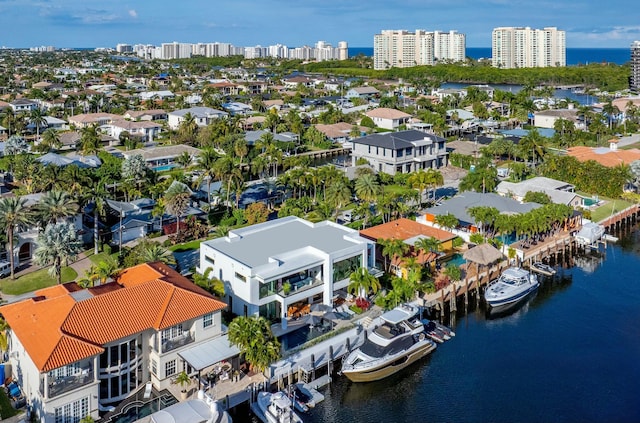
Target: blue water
{"points": [[568, 354], [575, 56], [165, 167], [456, 260]]}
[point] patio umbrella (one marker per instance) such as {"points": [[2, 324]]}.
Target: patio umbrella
{"points": [[312, 320], [320, 308], [330, 316]]}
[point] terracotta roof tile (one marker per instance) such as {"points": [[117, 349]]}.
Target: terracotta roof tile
{"points": [[56, 329], [604, 156], [404, 229]]}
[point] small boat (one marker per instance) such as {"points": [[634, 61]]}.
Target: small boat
{"points": [[432, 332], [299, 400], [543, 269], [397, 342], [276, 408], [513, 285], [446, 330]]}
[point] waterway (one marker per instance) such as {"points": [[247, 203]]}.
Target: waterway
{"points": [[568, 354]]}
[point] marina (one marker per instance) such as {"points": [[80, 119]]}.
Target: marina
{"points": [[513, 365]]}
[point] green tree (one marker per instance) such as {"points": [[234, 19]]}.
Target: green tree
{"points": [[211, 284], [367, 187], [154, 252], [56, 206], [176, 201], [392, 248], [58, 244], [253, 336], [361, 282], [14, 216]]}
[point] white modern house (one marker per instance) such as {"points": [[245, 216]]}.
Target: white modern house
{"points": [[75, 352], [202, 115], [143, 130], [559, 192], [269, 267]]}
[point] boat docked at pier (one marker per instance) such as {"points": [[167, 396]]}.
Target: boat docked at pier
{"points": [[276, 408], [543, 268], [513, 285], [393, 345]]}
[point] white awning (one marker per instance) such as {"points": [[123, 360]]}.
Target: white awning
{"points": [[209, 353]]}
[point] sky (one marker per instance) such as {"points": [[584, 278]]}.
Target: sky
{"points": [[104, 23]]}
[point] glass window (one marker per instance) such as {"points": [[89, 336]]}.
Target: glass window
{"points": [[343, 268], [115, 383], [207, 320], [114, 355], [241, 277], [209, 260], [170, 368], [154, 366]]}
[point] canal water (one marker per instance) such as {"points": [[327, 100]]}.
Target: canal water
{"points": [[570, 353]]}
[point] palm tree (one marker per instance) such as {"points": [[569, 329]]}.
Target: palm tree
{"points": [[448, 221], [56, 206], [184, 159], [361, 282], [89, 140], [50, 140], [253, 336], [427, 244], [392, 248], [367, 187], [37, 118], [176, 201], [212, 284], [338, 194], [206, 162], [57, 244], [154, 252], [102, 272], [14, 216]]}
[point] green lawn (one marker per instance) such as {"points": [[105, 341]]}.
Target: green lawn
{"points": [[191, 245], [608, 208], [6, 410], [34, 281]]}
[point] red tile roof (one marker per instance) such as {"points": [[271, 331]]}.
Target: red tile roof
{"points": [[404, 229], [56, 329], [604, 156]]}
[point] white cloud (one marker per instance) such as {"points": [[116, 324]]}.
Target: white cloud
{"points": [[133, 13]]}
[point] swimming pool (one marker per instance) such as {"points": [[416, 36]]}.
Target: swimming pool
{"points": [[456, 259], [300, 336], [165, 167]]}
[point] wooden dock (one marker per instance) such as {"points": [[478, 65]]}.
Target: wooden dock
{"points": [[624, 218]]}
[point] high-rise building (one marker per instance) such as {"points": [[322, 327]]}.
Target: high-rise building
{"points": [[176, 50], [523, 47], [124, 48], [634, 82], [403, 49]]}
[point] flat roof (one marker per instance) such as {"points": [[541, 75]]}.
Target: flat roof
{"points": [[264, 243], [210, 352]]}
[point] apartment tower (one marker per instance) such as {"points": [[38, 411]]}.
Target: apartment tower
{"points": [[403, 49], [634, 81], [518, 47]]}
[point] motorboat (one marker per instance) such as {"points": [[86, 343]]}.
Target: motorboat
{"points": [[436, 331], [513, 285], [398, 341], [276, 408], [299, 400], [543, 269]]}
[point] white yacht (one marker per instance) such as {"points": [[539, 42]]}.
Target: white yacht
{"points": [[399, 341], [276, 408], [512, 285]]}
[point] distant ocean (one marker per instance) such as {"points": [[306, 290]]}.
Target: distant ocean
{"points": [[575, 56]]}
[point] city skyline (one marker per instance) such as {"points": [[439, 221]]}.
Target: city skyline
{"points": [[90, 23]]}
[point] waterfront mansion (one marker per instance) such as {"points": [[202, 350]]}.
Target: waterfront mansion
{"points": [[76, 351], [285, 264]]}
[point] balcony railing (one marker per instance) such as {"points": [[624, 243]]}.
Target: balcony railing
{"points": [[300, 285], [177, 342], [61, 385]]}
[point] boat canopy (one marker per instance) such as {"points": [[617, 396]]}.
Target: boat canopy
{"points": [[399, 314]]}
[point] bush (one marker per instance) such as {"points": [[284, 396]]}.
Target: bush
{"points": [[362, 304], [355, 309], [106, 248]]}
